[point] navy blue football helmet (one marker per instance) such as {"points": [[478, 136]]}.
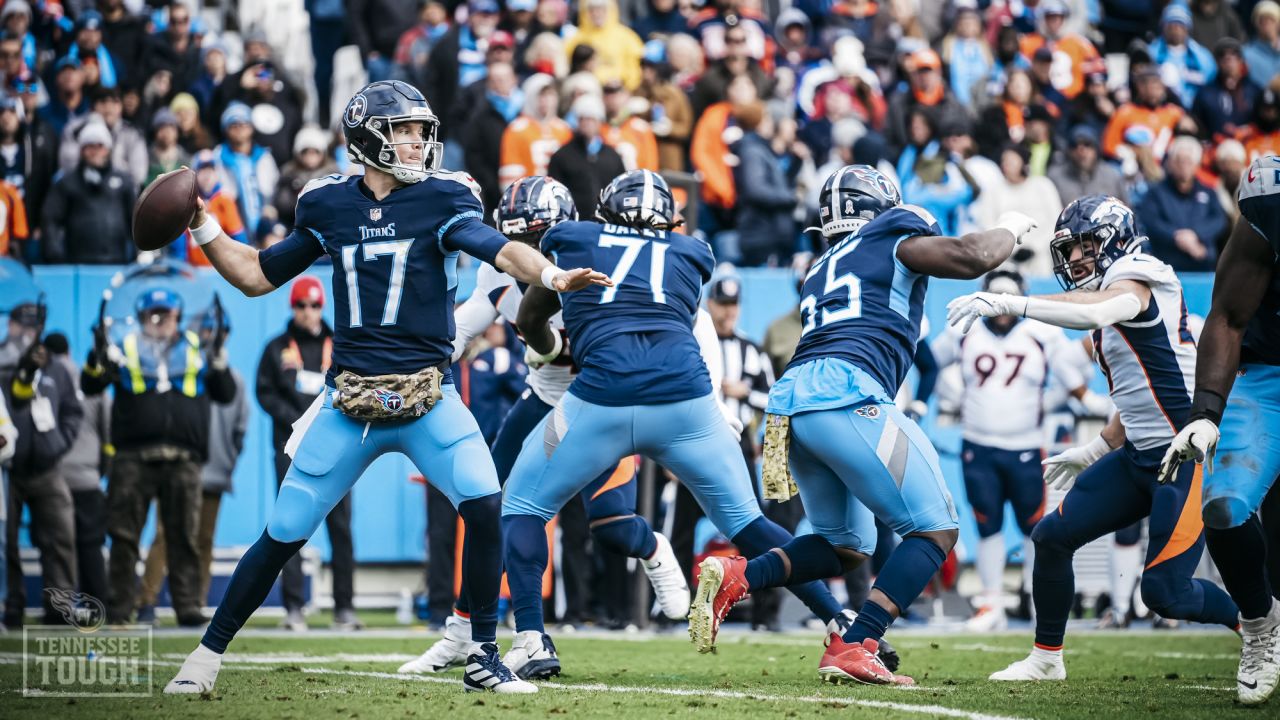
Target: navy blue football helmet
{"points": [[638, 199], [852, 197], [1104, 230], [532, 205], [1001, 277], [369, 124]]}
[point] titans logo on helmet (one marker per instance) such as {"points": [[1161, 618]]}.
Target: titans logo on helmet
{"points": [[355, 110]]}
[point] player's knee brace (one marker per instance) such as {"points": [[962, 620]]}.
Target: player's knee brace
{"points": [[1223, 513], [628, 536]]}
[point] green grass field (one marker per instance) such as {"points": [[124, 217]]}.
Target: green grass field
{"points": [[274, 676]]}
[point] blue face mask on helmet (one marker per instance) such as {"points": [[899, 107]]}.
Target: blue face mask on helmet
{"points": [[1091, 234], [532, 205], [852, 197], [374, 125], [638, 199]]}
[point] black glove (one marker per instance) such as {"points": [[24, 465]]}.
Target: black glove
{"points": [[32, 360]]}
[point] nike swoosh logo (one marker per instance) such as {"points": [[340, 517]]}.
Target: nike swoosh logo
{"points": [[1251, 685]]}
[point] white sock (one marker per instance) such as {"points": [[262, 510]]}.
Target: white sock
{"points": [[1028, 562], [1126, 568], [1262, 624], [1049, 657], [203, 655], [991, 560]]}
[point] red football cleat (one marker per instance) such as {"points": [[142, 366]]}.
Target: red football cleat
{"points": [[853, 662], [721, 584]]}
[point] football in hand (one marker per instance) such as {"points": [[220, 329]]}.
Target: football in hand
{"points": [[165, 209]]}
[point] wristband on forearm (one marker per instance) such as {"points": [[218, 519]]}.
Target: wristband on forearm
{"points": [[549, 274], [207, 232], [1208, 405]]}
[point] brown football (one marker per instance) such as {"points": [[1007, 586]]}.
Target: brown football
{"points": [[165, 209]]}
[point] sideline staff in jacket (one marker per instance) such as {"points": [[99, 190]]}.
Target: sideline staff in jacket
{"points": [[160, 429]]}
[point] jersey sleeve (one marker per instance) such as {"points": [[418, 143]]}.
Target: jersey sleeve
{"points": [[290, 257], [910, 221], [1062, 354], [1259, 197], [1140, 267], [946, 348], [478, 312], [463, 226]]}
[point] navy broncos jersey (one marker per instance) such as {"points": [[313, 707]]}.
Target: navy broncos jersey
{"points": [[1260, 206], [394, 265], [634, 341], [859, 302]]}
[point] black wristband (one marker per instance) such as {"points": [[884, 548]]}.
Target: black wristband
{"points": [[1208, 405]]}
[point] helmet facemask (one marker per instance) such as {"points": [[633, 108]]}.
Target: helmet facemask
{"points": [[1091, 264], [388, 154]]}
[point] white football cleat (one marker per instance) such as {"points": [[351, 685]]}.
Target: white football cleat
{"points": [[989, 618], [449, 651], [668, 580], [1259, 657], [1039, 665], [532, 656], [198, 673], [485, 671]]}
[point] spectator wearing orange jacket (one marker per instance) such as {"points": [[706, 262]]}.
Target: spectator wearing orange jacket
{"points": [[13, 220], [1261, 136], [531, 139], [218, 202], [709, 150], [630, 135], [1147, 122], [1074, 56]]}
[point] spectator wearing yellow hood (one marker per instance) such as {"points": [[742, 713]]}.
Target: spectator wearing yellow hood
{"points": [[618, 49]]}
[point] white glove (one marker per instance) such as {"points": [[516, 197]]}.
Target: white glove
{"points": [[535, 359], [916, 409], [1197, 441], [1096, 405], [966, 309], [735, 422], [1060, 471], [1017, 223]]}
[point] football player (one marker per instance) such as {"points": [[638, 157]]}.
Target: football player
{"points": [[1006, 363], [530, 206], [1133, 305], [833, 425], [643, 388], [393, 235], [1236, 411]]}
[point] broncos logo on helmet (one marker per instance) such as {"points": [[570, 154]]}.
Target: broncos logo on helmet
{"points": [[532, 205], [638, 199], [1091, 234], [369, 125], [852, 197]]}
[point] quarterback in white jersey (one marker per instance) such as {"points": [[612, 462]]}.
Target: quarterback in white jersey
{"points": [[1006, 363], [528, 208], [1133, 304]]}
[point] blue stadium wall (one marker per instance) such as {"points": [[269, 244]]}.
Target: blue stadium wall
{"points": [[390, 517]]}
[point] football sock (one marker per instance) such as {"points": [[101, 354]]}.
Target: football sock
{"points": [[482, 563], [526, 556], [1053, 590], [1028, 562], [991, 559], [910, 568], [763, 535], [630, 537], [1240, 553], [252, 580], [812, 558], [873, 621], [1126, 567]]}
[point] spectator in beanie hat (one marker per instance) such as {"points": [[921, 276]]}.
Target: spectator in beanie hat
{"points": [[165, 154]]}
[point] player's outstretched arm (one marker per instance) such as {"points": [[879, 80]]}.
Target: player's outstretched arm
{"points": [[1079, 310], [969, 256], [528, 265], [533, 320], [235, 261]]}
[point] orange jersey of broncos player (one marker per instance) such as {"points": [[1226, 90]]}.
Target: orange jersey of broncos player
{"points": [[635, 142], [1073, 58]]}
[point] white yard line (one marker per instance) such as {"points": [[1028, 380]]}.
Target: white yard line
{"points": [[933, 710]]}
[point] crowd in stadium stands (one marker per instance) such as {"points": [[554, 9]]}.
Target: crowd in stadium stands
{"points": [[974, 106]]}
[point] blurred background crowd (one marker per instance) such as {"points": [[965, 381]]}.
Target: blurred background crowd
{"points": [[973, 106]]}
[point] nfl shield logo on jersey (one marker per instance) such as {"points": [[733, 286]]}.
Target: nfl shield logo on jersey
{"points": [[392, 401], [375, 214]]}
